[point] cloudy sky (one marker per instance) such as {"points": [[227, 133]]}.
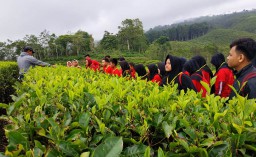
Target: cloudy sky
{"points": [[24, 17]]}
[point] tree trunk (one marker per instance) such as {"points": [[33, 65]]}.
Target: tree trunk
{"points": [[128, 45]]}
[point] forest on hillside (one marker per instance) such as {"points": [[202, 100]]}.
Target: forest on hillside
{"points": [[203, 35], [193, 28]]}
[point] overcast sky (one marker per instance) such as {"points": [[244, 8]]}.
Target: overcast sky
{"points": [[24, 17]]}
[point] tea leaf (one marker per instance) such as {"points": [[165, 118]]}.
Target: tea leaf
{"points": [[111, 147], [167, 129], [160, 152], [147, 152]]}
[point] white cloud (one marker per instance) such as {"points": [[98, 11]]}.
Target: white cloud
{"points": [[21, 17]]}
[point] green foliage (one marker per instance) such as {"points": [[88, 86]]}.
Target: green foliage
{"points": [[72, 112], [131, 35], [246, 24], [180, 32], [109, 41], [217, 40], [8, 76], [191, 29]]}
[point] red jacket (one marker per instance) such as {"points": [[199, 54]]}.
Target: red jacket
{"points": [[157, 79], [108, 70], [96, 65], [226, 76], [133, 72], [116, 72], [196, 78]]}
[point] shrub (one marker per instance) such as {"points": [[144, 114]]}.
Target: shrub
{"points": [[8, 76], [70, 112]]}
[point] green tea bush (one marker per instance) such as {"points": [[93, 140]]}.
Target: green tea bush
{"points": [[76, 112], [8, 76]]}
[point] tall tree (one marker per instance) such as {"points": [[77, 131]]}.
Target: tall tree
{"points": [[131, 35], [62, 43], [81, 41], [32, 41], [43, 40], [109, 41]]}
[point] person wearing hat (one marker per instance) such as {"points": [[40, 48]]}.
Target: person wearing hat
{"points": [[26, 60], [242, 52]]}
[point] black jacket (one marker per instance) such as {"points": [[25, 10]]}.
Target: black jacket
{"points": [[250, 87], [184, 82]]}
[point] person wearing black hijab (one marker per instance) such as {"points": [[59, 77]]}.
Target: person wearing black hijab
{"points": [[191, 68], [224, 76], [206, 71], [183, 61], [125, 69], [141, 71], [153, 74], [161, 68], [173, 68]]}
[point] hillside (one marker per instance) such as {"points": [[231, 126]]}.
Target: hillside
{"points": [[207, 45], [247, 24], [197, 27], [222, 37]]}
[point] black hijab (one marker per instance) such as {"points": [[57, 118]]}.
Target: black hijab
{"points": [[141, 71], [200, 60], [161, 67], [153, 70], [125, 68], [217, 60], [191, 66], [202, 64], [176, 64]]}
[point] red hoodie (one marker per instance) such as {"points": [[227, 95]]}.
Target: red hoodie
{"points": [[116, 72], [157, 79], [108, 70], [226, 76]]}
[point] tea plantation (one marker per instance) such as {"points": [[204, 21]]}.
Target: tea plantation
{"points": [[77, 112]]}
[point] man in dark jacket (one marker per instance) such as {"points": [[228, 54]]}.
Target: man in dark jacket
{"points": [[242, 52]]}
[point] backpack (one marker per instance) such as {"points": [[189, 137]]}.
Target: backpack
{"points": [[246, 78]]}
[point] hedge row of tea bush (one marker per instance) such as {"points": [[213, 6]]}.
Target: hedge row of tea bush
{"points": [[76, 112], [8, 77]]}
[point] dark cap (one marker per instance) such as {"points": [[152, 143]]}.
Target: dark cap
{"points": [[26, 48]]}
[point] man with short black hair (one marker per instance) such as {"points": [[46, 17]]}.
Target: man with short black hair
{"points": [[242, 52], [26, 60]]}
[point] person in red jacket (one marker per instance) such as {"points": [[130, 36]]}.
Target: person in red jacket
{"points": [[108, 68], [95, 64], [206, 71], [224, 76], [115, 71], [103, 65], [133, 72], [191, 69], [154, 74], [88, 63]]}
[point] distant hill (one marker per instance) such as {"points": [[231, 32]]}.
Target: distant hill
{"points": [[247, 24], [197, 27], [222, 37], [217, 40]]}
